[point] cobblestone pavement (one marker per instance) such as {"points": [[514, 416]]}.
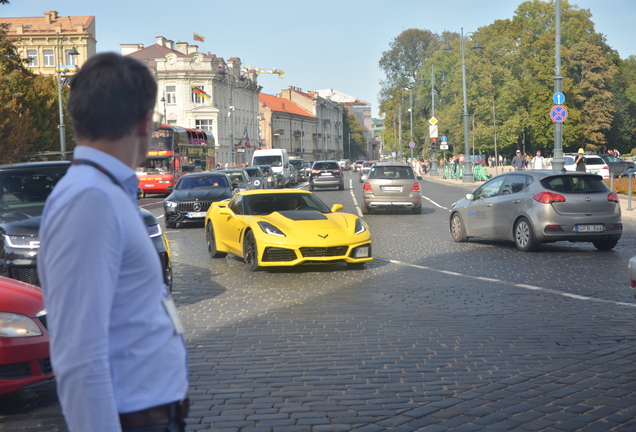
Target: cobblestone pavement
{"points": [[431, 336]]}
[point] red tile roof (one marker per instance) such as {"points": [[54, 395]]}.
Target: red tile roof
{"points": [[47, 23], [278, 104]]}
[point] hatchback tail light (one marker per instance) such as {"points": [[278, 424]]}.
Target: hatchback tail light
{"points": [[549, 197], [416, 187], [632, 283], [366, 187], [612, 197]]}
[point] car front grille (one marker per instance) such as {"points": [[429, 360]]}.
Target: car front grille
{"points": [[189, 206], [25, 274], [278, 254], [313, 252], [15, 370], [45, 366]]}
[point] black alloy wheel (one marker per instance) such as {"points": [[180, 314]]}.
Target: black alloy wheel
{"points": [[211, 242], [250, 251]]}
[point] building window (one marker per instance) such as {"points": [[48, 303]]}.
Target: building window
{"points": [[32, 55], [70, 59], [171, 95], [204, 125], [48, 58]]}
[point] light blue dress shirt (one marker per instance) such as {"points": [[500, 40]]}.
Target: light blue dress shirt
{"points": [[114, 347]]}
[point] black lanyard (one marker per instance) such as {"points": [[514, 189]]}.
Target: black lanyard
{"points": [[101, 169]]}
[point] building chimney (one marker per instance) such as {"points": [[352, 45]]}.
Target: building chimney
{"points": [[161, 41], [127, 49], [192, 49], [182, 47], [50, 16]]}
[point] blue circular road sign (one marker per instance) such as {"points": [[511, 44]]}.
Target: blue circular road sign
{"points": [[558, 113], [558, 98]]}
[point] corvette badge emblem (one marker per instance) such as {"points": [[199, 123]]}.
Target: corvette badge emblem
{"points": [[325, 236]]}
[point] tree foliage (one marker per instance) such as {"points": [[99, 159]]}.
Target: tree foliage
{"points": [[511, 80], [28, 106], [353, 139]]}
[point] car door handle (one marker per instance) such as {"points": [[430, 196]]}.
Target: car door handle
{"points": [[488, 205], [516, 201]]}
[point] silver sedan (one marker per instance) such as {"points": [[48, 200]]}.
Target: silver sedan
{"points": [[534, 207]]}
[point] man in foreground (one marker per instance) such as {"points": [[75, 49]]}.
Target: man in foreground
{"points": [[116, 340]]}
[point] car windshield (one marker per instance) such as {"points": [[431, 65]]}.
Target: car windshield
{"points": [[296, 163], [193, 182], [568, 160], [237, 178], [274, 160], [391, 172], [264, 204], [252, 172], [29, 187], [575, 184]]}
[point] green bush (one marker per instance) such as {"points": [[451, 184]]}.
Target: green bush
{"points": [[621, 186]]}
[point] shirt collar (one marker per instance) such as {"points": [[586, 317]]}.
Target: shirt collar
{"points": [[117, 168]]}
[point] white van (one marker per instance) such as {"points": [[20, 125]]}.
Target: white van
{"points": [[277, 159]]}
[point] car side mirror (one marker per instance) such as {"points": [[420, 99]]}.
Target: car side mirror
{"points": [[286, 164], [235, 185], [336, 207], [419, 177], [170, 188], [470, 197]]}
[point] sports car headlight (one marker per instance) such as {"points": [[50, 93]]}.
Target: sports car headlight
{"points": [[268, 228], [170, 205], [360, 226], [16, 326], [26, 242]]}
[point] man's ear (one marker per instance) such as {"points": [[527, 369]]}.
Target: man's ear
{"points": [[144, 125]]}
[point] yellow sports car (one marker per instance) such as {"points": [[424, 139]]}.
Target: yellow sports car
{"points": [[285, 228]]}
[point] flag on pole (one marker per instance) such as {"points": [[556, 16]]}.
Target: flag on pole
{"points": [[198, 37], [246, 138], [199, 91]]}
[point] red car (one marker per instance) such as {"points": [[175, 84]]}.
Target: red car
{"points": [[24, 339]]}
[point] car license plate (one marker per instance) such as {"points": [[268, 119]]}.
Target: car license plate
{"points": [[149, 185], [362, 252], [325, 174], [392, 188], [196, 214], [589, 228]]}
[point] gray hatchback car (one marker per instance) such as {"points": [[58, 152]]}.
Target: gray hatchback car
{"points": [[536, 207], [391, 186]]}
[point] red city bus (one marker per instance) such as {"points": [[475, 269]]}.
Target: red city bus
{"points": [[175, 151]]}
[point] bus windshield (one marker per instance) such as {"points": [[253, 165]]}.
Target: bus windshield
{"points": [[157, 166], [162, 139], [273, 160]]}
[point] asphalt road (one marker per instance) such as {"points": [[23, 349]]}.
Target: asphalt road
{"points": [[431, 336]]}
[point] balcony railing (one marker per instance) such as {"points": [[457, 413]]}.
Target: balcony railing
{"points": [[279, 132], [298, 133]]}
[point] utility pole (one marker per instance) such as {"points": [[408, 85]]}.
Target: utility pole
{"points": [[558, 162], [229, 116]]}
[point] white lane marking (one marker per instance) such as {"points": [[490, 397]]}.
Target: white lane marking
{"points": [[434, 203], [524, 286], [355, 201]]}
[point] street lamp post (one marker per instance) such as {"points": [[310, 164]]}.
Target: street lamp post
{"points": [[468, 172], [401, 152], [58, 69], [411, 118], [434, 168], [557, 161]]}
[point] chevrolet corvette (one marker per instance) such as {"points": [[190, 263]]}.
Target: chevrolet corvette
{"points": [[285, 228]]}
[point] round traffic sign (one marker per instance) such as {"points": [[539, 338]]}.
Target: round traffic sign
{"points": [[558, 113], [558, 98], [411, 144]]}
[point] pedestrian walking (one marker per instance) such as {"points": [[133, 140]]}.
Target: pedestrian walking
{"points": [[580, 161], [501, 162], [117, 344], [538, 162], [518, 161]]}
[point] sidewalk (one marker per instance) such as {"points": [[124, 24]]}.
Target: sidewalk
{"points": [[624, 199]]}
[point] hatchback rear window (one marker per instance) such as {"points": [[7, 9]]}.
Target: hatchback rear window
{"points": [[391, 172], [326, 166], [574, 184], [594, 161]]}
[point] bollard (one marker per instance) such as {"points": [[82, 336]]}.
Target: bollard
{"points": [[629, 193], [611, 182]]}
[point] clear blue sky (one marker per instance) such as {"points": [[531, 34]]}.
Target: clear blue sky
{"points": [[319, 44]]}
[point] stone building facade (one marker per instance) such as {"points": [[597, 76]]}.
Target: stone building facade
{"points": [[203, 91], [48, 40]]}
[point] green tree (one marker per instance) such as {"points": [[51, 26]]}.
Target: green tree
{"points": [[353, 139]]}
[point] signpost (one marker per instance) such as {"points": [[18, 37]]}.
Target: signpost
{"points": [[558, 98], [558, 113]]}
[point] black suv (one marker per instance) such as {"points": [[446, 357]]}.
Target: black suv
{"points": [[326, 174], [24, 188]]}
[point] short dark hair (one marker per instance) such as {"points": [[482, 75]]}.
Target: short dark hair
{"points": [[109, 96]]}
